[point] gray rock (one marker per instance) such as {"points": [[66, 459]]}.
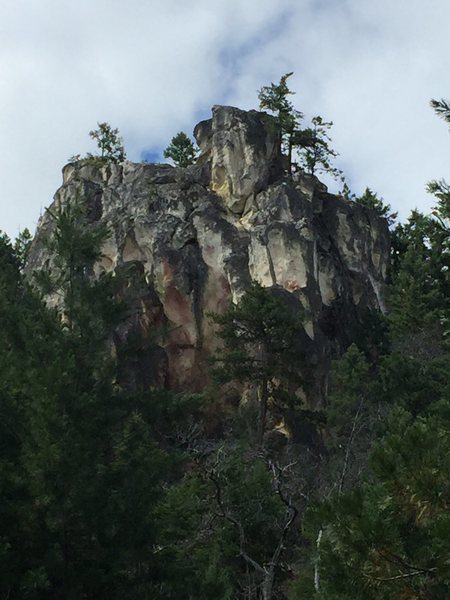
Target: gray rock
{"points": [[244, 152], [188, 249]]}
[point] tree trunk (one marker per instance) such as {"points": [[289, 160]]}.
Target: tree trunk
{"points": [[263, 399], [316, 565], [267, 585], [290, 154]]}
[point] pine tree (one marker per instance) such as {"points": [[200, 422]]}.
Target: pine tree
{"points": [[315, 154], [109, 142], [371, 200], [91, 461], [420, 284], [312, 144], [388, 538], [260, 337], [274, 98], [28, 341], [181, 150]]}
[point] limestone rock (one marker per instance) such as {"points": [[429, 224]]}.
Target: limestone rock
{"points": [[185, 248]]}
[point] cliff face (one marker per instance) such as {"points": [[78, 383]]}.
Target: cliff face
{"points": [[188, 241]]}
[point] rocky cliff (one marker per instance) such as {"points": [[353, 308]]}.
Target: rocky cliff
{"points": [[189, 241]]}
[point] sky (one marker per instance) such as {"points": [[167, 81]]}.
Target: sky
{"points": [[155, 67]]}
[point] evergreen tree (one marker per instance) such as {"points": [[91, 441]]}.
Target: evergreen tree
{"points": [[25, 327], [312, 144], [228, 528], [315, 154], [420, 292], [354, 412], [109, 143], [83, 465], [389, 538], [371, 200], [274, 98], [181, 150], [260, 337]]}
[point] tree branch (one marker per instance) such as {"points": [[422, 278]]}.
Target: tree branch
{"points": [[402, 576], [349, 446], [237, 524]]}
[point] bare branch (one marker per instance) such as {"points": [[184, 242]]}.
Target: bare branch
{"points": [[237, 524], [349, 446], [401, 576]]}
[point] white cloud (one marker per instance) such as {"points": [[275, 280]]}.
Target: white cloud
{"points": [[152, 68]]}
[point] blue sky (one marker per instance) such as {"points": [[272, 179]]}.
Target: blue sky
{"points": [[152, 69]]}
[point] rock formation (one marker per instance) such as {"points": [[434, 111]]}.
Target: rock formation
{"points": [[189, 241]]}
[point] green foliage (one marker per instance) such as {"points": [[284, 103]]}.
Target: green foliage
{"points": [[441, 108], [181, 150], [311, 144], [371, 200], [260, 337], [75, 245], [315, 154], [257, 333], [389, 539], [109, 143], [354, 412], [221, 526], [386, 537], [274, 98], [420, 289], [83, 463], [22, 246], [441, 188], [24, 326]]}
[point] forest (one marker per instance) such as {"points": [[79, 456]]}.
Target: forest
{"points": [[115, 493]]}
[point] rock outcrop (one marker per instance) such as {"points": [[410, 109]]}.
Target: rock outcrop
{"points": [[243, 149], [189, 241]]}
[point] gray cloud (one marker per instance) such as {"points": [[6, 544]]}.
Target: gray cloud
{"points": [[152, 68]]}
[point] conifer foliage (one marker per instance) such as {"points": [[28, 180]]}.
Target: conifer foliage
{"points": [[80, 467], [261, 346], [181, 150], [309, 146], [386, 536], [109, 142]]}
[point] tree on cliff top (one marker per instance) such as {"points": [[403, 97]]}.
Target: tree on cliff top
{"points": [[274, 97], [316, 154], [110, 144], [181, 150], [312, 144]]}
